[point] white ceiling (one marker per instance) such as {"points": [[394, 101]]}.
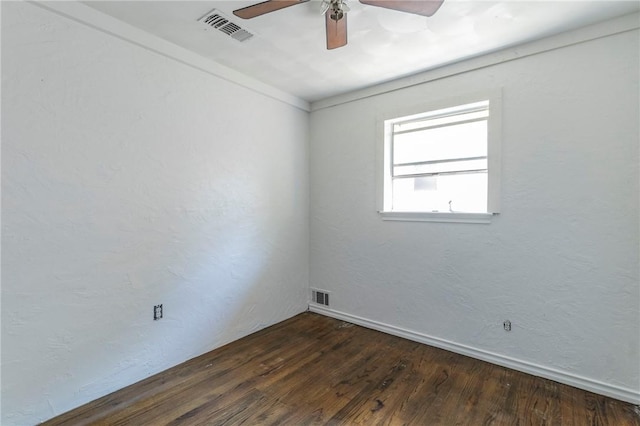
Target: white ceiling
{"points": [[289, 52]]}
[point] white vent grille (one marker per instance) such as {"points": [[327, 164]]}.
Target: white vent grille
{"points": [[216, 20], [320, 297]]}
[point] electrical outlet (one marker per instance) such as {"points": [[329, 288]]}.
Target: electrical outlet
{"points": [[157, 312], [507, 325]]}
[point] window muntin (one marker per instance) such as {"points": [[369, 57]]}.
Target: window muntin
{"points": [[438, 161]]}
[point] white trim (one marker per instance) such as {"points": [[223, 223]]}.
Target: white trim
{"points": [[494, 152], [102, 22], [437, 217], [384, 134], [611, 27], [585, 383]]}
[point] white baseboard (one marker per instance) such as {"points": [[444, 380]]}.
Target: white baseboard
{"points": [[617, 392]]}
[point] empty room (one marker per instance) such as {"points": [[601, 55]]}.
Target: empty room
{"points": [[362, 212]]}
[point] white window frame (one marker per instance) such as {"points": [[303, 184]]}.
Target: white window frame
{"points": [[494, 136]]}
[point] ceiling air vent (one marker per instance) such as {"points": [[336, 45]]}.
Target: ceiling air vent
{"points": [[216, 20]]}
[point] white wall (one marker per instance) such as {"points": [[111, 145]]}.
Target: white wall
{"points": [[560, 261], [129, 180]]}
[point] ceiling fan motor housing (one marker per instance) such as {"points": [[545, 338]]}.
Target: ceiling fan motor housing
{"points": [[338, 8], [337, 15]]}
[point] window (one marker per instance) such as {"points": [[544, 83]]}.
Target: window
{"points": [[443, 164]]}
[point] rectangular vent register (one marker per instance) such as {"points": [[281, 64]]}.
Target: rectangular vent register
{"points": [[218, 21], [320, 297]]}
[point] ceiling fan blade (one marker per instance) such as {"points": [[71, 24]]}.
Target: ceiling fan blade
{"points": [[336, 31], [417, 7], [265, 7]]}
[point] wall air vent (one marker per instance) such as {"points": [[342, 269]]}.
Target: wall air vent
{"points": [[320, 297], [218, 21]]}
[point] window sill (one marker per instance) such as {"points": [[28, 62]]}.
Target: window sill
{"points": [[438, 217]]}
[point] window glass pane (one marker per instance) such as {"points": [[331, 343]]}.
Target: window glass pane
{"points": [[444, 193], [455, 141], [449, 166]]}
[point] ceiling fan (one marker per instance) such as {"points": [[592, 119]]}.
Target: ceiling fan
{"points": [[335, 12]]}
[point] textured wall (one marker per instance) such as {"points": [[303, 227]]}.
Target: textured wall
{"points": [[560, 261], [129, 180]]}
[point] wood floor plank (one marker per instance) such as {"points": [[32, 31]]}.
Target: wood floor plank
{"points": [[315, 370], [237, 378]]}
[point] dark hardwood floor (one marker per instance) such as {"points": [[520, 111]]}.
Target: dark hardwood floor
{"points": [[312, 369]]}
